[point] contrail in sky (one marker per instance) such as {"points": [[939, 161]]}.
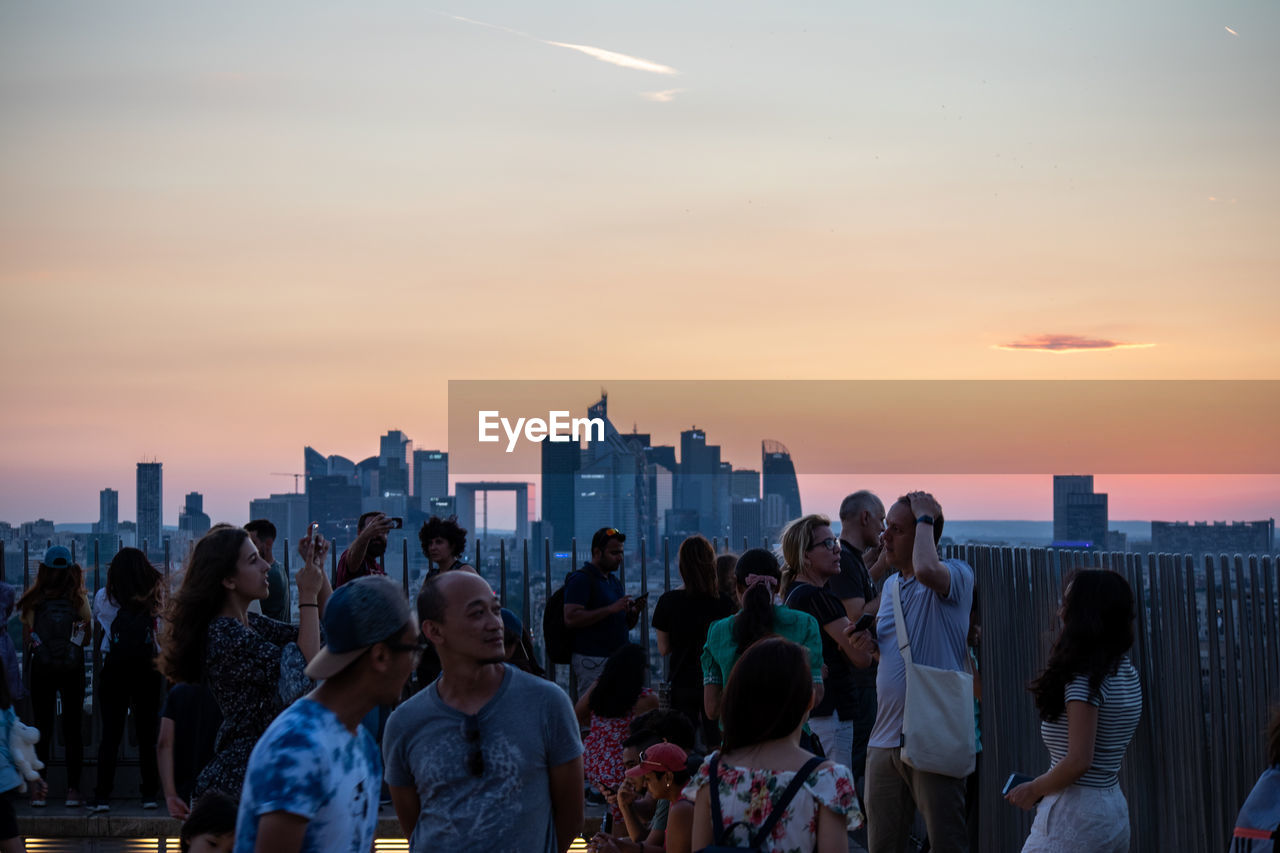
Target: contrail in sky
{"points": [[1233, 32], [620, 59]]}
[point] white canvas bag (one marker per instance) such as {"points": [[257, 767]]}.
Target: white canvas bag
{"points": [[937, 724]]}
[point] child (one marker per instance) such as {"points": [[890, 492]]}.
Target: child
{"points": [[10, 781], [211, 827]]}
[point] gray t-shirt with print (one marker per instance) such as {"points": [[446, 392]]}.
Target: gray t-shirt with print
{"points": [[527, 728]]}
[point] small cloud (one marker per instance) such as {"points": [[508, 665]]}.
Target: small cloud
{"points": [[620, 59], [666, 96], [1233, 32], [1067, 343]]}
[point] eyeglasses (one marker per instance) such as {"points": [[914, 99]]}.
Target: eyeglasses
{"points": [[830, 543], [475, 758]]}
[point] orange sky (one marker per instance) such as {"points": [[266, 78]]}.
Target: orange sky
{"points": [[220, 242]]}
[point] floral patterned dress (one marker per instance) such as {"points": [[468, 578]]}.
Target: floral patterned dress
{"points": [[602, 750], [254, 671], [747, 796]]}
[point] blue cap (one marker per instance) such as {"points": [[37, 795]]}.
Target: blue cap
{"points": [[511, 623], [359, 614], [57, 557]]}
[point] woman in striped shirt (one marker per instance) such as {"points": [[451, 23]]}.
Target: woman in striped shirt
{"points": [[1089, 700]]}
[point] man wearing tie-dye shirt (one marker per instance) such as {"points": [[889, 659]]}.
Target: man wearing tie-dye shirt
{"points": [[314, 777]]}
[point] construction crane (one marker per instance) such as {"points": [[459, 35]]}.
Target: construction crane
{"points": [[294, 476]]}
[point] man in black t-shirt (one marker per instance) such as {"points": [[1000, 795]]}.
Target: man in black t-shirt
{"points": [[861, 523]]}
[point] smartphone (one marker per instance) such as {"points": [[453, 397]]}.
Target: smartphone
{"points": [[396, 523], [313, 531], [1015, 779], [863, 623]]}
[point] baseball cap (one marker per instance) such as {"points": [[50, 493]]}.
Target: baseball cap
{"points": [[360, 614], [57, 557], [660, 758]]}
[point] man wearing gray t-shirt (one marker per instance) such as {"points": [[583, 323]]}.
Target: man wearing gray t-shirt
{"points": [[486, 757], [936, 597]]}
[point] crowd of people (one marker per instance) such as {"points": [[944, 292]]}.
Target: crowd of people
{"points": [[820, 698]]}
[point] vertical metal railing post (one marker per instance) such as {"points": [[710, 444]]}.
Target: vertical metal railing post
{"points": [[644, 611], [404, 565], [573, 554], [546, 561], [166, 561], [73, 551], [666, 564], [26, 565], [502, 571], [288, 592], [525, 616]]}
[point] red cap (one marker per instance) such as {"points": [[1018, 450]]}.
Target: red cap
{"points": [[660, 758]]}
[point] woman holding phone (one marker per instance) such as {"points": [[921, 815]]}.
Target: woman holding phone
{"points": [[1089, 699], [253, 665]]}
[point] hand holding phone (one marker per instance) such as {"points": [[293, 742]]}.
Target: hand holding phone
{"points": [[863, 623]]}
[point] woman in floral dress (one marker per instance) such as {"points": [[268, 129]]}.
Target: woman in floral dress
{"points": [[253, 665], [768, 696], [607, 708]]}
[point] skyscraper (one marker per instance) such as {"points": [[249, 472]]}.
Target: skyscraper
{"points": [[560, 462], [289, 513], [108, 512], [395, 451], [430, 477], [1079, 513], [193, 519], [780, 478], [150, 494]]}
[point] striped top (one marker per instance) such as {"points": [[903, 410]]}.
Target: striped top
{"points": [[1119, 704]]}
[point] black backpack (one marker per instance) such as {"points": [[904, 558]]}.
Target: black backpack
{"points": [[133, 637], [557, 637], [775, 813], [55, 619]]}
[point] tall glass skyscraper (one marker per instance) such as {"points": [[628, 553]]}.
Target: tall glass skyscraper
{"points": [[780, 476], [150, 501]]}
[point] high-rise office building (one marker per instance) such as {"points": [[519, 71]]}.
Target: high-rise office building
{"points": [[288, 512], [747, 523], [108, 512], [780, 479], [395, 452], [192, 519], [334, 502], [561, 460], [430, 476], [1220, 537], [150, 503], [610, 488], [1079, 513]]}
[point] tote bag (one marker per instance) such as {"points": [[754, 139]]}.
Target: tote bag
{"points": [[937, 724]]}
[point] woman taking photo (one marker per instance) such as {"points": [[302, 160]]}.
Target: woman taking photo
{"points": [[762, 790], [128, 681], [55, 617], [681, 617], [1089, 699], [251, 664], [812, 554], [758, 579]]}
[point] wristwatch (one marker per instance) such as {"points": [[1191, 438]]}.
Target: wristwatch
{"points": [[925, 519]]}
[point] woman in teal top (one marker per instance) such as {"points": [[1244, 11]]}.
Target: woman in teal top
{"points": [[758, 576]]}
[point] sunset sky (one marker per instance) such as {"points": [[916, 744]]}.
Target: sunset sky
{"points": [[230, 230]]}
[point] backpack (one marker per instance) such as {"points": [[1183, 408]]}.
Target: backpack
{"points": [[133, 637], [557, 637], [54, 623], [775, 812]]}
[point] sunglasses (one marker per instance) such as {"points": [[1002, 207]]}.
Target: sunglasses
{"points": [[475, 758]]}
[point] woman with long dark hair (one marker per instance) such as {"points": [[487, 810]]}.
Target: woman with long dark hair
{"points": [[766, 701], [55, 616], [812, 554], [1089, 699], [251, 664], [126, 609], [681, 617], [758, 578], [607, 708]]}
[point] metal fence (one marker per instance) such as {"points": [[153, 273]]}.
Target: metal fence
{"points": [[1207, 650]]}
